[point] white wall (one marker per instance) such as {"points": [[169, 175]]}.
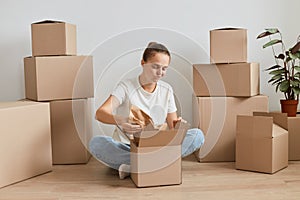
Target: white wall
{"points": [[115, 32]]}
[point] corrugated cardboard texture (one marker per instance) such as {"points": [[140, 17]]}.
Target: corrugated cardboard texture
{"points": [[237, 80], [58, 77], [53, 38], [25, 141], [261, 145], [69, 131], [155, 166], [228, 45], [217, 119]]}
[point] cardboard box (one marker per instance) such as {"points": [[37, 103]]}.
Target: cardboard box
{"points": [[155, 157], [228, 45], [294, 137], [53, 38], [70, 131], [216, 117], [261, 144], [25, 141], [237, 80], [292, 124], [58, 77]]}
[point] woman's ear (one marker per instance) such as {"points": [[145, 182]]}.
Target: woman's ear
{"points": [[142, 62]]}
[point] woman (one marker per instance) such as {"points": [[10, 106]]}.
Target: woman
{"points": [[151, 95]]}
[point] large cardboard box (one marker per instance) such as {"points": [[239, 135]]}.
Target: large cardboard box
{"points": [[216, 117], [58, 77], [228, 45], [70, 131], [155, 157], [53, 38], [237, 80], [25, 141], [292, 124], [261, 144]]}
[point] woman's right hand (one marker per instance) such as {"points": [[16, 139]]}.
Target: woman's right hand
{"points": [[131, 128]]}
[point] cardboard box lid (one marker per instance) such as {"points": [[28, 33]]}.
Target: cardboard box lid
{"points": [[258, 127], [162, 137], [13, 104], [280, 119], [47, 21]]}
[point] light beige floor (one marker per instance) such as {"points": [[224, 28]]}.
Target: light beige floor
{"points": [[200, 181]]}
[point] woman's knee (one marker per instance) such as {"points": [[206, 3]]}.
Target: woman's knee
{"points": [[198, 136]]}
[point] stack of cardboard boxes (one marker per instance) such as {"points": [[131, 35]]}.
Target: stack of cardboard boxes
{"points": [[227, 87], [55, 74]]}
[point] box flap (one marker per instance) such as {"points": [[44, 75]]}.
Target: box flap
{"points": [[278, 130], [227, 29], [162, 137], [254, 126], [279, 118], [47, 21]]}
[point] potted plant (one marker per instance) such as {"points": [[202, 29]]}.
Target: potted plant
{"points": [[285, 74]]}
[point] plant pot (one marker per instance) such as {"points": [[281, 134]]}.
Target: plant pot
{"points": [[289, 107]]}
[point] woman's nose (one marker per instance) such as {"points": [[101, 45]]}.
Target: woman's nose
{"points": [[159, 71]]}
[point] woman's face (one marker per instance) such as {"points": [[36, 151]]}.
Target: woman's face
{"points": [[156, 67]]}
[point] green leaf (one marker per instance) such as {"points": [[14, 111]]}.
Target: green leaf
{"points": [[293, 56], [297, 68], [296, 90], [273, 67], [278, 71], [297, 75], [272, 42], [272, 30], [277, 86], [284, 86], [269, 31], [276, 77], [277, 81], [294, 83]]}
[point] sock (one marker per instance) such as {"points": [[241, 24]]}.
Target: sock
{"points": [[124, 171]]}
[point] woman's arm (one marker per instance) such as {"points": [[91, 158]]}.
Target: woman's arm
{"points": [[104, 114], [171, 118]]}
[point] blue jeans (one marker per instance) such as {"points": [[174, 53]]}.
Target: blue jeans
{"points": [[114, 153]]}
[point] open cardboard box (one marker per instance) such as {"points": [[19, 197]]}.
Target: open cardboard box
{"points": [[261, 143], [292, 124], [156, 156]]}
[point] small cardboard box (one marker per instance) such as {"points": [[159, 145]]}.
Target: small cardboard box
{"points": [[53, 38], [70, 131], [292, 124], [228, 45], [25, 141], [155, 157], [261, 144], [216, 117], [58, 77], [237, 80]]}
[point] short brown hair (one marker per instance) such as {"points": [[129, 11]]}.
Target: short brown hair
{"points": [[153, 48]]}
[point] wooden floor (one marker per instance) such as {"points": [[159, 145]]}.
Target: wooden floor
{"points": [[200, 181]]}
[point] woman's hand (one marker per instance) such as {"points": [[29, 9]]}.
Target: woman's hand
{"points": [[179, 119], [131, 128]]}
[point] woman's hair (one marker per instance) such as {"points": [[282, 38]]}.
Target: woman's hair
{"points": [[153, 48]]}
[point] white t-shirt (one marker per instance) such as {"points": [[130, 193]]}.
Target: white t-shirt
{"points": [[156, 104]]}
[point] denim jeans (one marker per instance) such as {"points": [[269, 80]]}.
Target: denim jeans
{"points": [[114, 153]]}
